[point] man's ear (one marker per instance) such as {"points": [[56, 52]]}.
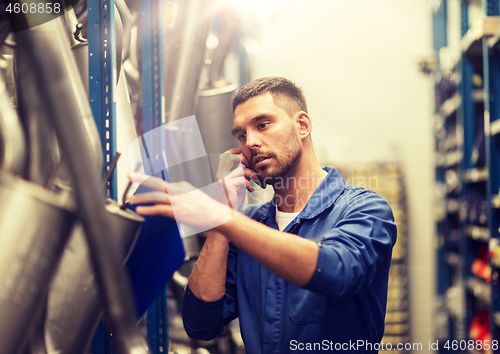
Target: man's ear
{"points": [[304, 125]]}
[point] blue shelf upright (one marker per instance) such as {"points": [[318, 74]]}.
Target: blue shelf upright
{"points": [[102, 77], [493, 156], [448, 146], [439, 28], [154, 117], [491, 58], [152, 72], [477, 131], [102, 71]]}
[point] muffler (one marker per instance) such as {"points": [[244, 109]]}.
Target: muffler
{"points": [[74, 304], [34, 226]]}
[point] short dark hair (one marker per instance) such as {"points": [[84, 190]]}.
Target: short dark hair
{"points": [[279, 87]]}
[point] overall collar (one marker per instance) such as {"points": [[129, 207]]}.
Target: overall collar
{"points": [[323, 197]]}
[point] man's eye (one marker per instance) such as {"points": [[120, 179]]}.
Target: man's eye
{"points": [[242, 137], [263, 125]]}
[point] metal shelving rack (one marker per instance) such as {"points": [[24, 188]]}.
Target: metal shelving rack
{"points": [[467, 128], [449, 157], [102, 72], [153, 117], [492, 110], [102, 81], [390, 185]]}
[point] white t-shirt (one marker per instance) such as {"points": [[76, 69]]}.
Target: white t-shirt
{"points": [[283, 219]]}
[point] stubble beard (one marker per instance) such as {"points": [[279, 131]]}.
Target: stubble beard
{"points": [[286, 166]]}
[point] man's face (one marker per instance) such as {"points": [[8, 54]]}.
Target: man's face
{"points": [[268, 136]]}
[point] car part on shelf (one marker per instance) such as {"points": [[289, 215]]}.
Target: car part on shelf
{"points": [[56, 69], [215, 96], [44, 157], [34, 226], [68, 84], [4, 31], [127, 24], [74, 306], [213, 114], [7, 46], [12, 141], [79, 47], [126, 134], [118, 43], [185, 40]]}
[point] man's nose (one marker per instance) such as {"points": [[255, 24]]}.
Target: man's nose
{"points": [[253, 141]]}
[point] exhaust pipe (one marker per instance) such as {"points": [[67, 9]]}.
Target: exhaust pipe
{"points": [[55, 68]]}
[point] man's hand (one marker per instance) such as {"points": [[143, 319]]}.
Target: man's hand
{"points": [[180, 201], [232, 185], [198, 207]]}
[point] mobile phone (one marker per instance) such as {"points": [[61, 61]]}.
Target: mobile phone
{"points": [[260, 182]]}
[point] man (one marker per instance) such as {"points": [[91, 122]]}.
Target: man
{"points": [[307, 270]]}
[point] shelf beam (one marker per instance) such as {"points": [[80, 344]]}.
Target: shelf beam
{"points": [[452, 258], [453, 206], [495, 201], [478, 95], [453, 158], [450, 106], [485, 27], [478, 233], [475, 175], [480, 289], [496, 319], [495, 128]]}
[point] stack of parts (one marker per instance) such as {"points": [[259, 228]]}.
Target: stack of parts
{"points": [[388, 180], [480, 266], [479, 330]]}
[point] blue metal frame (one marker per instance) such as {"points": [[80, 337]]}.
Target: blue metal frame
{"points": [[102, 72], [471, 116], [439, 27], [470, 65], [467, 122], [153, 117], [491, 8], [157, 324], [445, 270], [102, 77], [464, 17], [152, 71], [493, 156], [467, 112], [491, 67]]}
